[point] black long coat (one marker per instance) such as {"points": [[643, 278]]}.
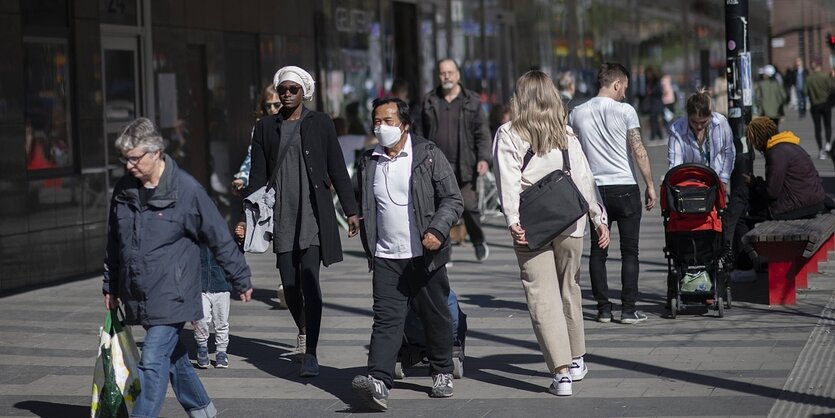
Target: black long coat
{"points": [[325, 166]]}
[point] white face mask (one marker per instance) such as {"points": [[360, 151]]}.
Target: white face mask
{"points": [[387, 135]]}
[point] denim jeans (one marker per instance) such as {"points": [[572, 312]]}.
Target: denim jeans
{"points": [[623, 205], [397, 285], [165, 358]]}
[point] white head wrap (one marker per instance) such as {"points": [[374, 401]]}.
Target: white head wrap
{"points": [[298, 76]]}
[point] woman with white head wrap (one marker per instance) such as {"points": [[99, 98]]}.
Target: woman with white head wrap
{"points": [[298, 151]]}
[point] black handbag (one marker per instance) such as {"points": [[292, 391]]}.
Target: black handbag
{"points": [[551, 205]]}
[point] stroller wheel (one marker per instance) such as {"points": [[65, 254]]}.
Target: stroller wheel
{"points": [[728, 298], [673, 308], [720, 307], [398, 370], [457, 368]]}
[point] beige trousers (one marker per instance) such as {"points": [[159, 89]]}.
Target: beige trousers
{"points": [[550, 277]]}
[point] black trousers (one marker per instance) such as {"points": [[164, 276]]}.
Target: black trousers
{"points": [[300, 276], [822, 117], [472, 216], [397, 285]]}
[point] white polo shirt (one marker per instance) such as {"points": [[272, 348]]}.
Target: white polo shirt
{"points": [[397, 234]]}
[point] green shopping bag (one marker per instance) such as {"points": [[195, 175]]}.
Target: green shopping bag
{"points": [[116, 376]]}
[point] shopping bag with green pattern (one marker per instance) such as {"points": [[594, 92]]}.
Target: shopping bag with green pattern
{"points": [[116, 376]]}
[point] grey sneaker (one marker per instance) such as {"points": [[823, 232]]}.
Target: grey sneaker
{"points": [[482, 251], [310, 366], [561, 386], [632, 317], [221, 360], [576, 372], [297, 354], [604, 315], [442, 385], [282, 301], [373, 392], [203, 357]]}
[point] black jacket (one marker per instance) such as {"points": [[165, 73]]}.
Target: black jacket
{"points": [[792, 184], [325, 166], [435, 197], [152, 261], [474, 142]]}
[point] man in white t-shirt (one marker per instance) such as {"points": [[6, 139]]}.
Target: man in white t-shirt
{"points": [[611, 136]]}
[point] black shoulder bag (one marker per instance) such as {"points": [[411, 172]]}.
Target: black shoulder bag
{"points": [[551, 205]]}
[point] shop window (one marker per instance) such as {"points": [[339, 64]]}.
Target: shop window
{"points": [[47, 104]]}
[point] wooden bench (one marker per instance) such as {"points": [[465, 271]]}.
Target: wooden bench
{"points": [[794, 249]]}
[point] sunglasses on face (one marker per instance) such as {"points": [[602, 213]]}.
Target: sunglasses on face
{"points": [[270, 105], [291, 89]]}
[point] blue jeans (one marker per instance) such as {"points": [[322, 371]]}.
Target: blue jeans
{"points": [[623, 206], [164, 358]]}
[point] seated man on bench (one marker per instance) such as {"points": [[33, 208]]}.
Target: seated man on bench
{"points": [[792, 188]]}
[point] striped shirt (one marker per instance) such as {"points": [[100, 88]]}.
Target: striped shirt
{"points": [[718, 153]]}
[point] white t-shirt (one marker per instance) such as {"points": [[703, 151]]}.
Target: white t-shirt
{"points": [[396, 239], [601, 124]]}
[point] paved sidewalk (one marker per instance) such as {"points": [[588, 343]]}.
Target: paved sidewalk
{"points": [[756, 358]]}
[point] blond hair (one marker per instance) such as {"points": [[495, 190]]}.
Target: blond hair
{"points": [[759, 131], [537, 113]]}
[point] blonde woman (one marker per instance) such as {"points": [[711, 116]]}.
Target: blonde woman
{"points": [[550, 274]]}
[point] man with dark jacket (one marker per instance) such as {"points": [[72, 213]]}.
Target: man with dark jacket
{"points": [[408, 202], [818, 87], [451, 117]]}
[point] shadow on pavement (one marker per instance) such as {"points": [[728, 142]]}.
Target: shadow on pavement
{"points": [[488, 301], [266, 296], [52, 409]]}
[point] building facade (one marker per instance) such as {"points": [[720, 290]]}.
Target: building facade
{"points": [[75, 72]]}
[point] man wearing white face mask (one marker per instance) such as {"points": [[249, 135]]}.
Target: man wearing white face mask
{"points": [[409, 200]]}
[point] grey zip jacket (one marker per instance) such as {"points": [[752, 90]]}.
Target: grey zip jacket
{"points": [[435, 197]]}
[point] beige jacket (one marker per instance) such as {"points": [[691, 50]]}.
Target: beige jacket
{"points": [[508, 155]]}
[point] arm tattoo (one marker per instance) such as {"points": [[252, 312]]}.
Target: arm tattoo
{"points": [[633, 138]]}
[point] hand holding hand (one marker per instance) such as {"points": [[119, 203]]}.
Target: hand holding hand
{"points": [[518, 234], [430, 242], [246, 296], [353, 226]]}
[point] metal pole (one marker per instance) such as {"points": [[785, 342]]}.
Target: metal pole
{"points": [[738, 69]]}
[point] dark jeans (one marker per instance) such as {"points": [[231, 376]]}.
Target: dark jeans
{"points": [[822, 113], [623, 205], [397, 285], [300, 276], [472, 216]]}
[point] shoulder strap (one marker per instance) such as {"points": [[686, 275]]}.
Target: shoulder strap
{"points": [[566, 165], [282, 150]]}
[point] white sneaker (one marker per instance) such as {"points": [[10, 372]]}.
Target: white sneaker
{"points": [[297, 354], [576, 372], [822, 155], [282, 301], [828, 146], [561, 386]]}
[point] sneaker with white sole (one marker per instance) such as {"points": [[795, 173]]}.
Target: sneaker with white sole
{"points": [[482, 251], [442, 385], [297, 354], [221, 360], [282, 300], [310, 366], [561, 386], [373, 392], [822, 155], [203, 357], [828, 146], [577, 373], [632, 317]]}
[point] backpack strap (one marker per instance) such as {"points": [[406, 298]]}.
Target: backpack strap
{"points": [[566, 165]]}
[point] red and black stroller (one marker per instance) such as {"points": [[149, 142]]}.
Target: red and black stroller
{"points": [[692, 204]]}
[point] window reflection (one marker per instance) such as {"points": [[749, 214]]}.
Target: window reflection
{"points": [[46, 112]]}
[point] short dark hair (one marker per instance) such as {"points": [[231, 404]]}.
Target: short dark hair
{"points": [[611, 71], [402, 109]]}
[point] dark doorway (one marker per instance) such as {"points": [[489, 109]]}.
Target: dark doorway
{"points": [[192, 131]]}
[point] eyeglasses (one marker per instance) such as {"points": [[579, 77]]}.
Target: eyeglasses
{"points": [[270, 105], [133, 160], [292, 89]]}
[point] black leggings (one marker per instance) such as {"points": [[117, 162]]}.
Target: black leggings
{"points": [[299, 272]]}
